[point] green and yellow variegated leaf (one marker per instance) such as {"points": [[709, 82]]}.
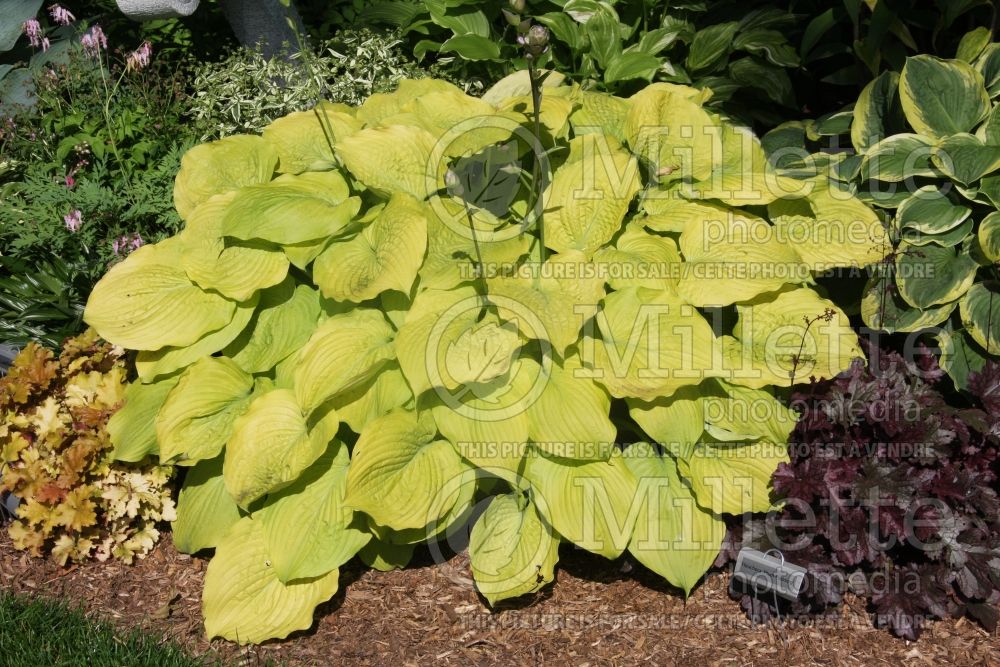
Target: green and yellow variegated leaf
{"points": [[965, 158], [588, 197], [400, 475], [674, 421], [591, 504], [383, 393], [733, 260], [304, 140], [343, 353], [511, 551], [221, 166], [989, 236], [942, 97], [306, 525], [640, 259], [673, 537], [555, 306], [397, 158], [243, 599], [898, 158], [386, 255], [930, 275], [734, 412], [147, 302], [197, 418], [272, 443], [600, 114], [732, 478], [132, 429], [930, 211], [235, 269], [205, 511], [960, 355], [166, 360], [980, 311], [877, 113], [451, 251], [570, 418], [775, 345], [883, 309], [673, 133], [284, 321], [650, 344], [291, 209]]}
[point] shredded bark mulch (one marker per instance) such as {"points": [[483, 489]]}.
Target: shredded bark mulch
{"points": [[597, 613]]}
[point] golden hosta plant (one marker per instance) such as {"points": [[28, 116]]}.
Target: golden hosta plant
{"points": [[377, 316], [55, 456]]}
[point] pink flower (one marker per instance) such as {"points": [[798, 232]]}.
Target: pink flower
{"points": [[61, 15], [123, 245], [33, 29], [93, 41], [140, 57], [45, 44], [70, 181], [73, 220]]}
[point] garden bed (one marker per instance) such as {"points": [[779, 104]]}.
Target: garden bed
{"points": [[598, 614]]}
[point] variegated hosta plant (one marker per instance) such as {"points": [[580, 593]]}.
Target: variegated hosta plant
{"points": [[379, 319], [927, 145]]}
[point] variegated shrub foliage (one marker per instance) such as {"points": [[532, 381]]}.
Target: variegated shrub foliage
{"points": [[369, 325], [927, 154]]}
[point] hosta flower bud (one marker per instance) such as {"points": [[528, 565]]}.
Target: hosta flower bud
{"points": [[516, 6], [512, 18], [537, 40]]}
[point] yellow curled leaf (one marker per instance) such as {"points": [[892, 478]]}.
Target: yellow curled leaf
{"points": [[221, 166]]}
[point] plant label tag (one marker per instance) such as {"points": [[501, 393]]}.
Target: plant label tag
{"points": [[763, 572]]}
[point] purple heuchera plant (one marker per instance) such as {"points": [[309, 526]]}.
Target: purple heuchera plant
{"points": [[891, 493]]}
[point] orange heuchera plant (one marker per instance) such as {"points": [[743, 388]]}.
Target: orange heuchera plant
{"points": [[55, 456]]}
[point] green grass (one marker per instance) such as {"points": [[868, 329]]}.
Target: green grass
{"points": [[42, 633]]}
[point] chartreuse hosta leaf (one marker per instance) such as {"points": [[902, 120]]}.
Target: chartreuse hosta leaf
{"points": [[205, 510], [650, 344], [591, 504], [386, 255], [942, 97], [380, 106], [132, 429], [381, 395], [400, 475], [304, 140], [731, 477], [344, 352], [929, 275], [244, 600], [221, 166], [589, 196], [673, 421], [166, 360], [553, 115], [386, 557], [285, 319], [271, 445], [734, 259], [307, 526], [600, 114], [552, 304], [291, 209], [980, 310], [569, 418], [673, 536], [147, 302], [733, 412], [397, 158], [667, 211], [640, 259], [774, 345], [235, 269], [511, 551], [673, 133], [197, 418]]}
